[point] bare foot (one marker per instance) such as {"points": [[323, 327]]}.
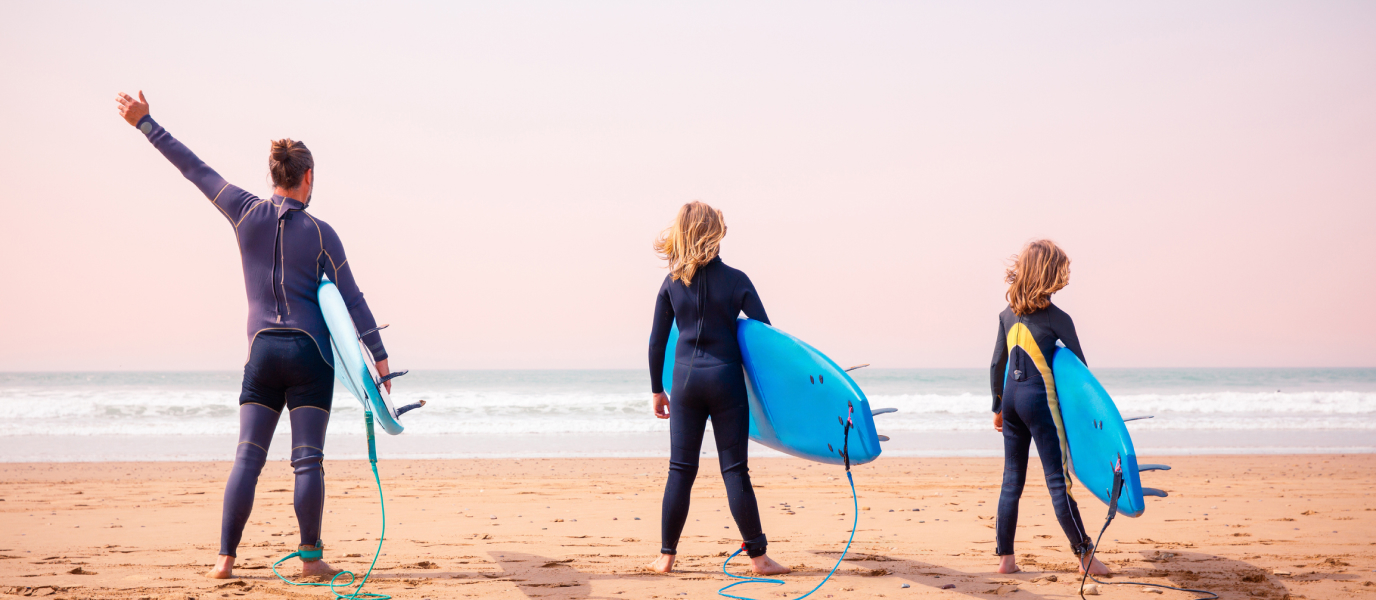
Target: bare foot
{"points": [[764, 565], [224, 568], [663, 564], [1095, 568], [1008, 564], [318, 568]]}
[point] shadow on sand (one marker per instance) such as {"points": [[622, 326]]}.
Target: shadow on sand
{"points": [[1223, 576], [539, 576]]}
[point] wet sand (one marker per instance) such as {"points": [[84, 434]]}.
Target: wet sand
{"points": [[1243, 526]]}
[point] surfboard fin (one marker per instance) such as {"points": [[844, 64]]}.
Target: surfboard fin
{"points": [[391, 376], [1145, 468], [1146, 491], [883, 438], [849, 369], [882, 411], [1139, 418], [409, 407], [374, 330]]}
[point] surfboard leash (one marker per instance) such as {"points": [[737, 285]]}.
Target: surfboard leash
{"points": [[358, 593], [1114, 493], [855, 524]]}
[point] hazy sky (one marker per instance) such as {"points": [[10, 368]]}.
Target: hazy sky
{"points": [[498, 172]]}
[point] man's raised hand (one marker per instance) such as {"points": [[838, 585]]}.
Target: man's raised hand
{"points": [[132, 110]]}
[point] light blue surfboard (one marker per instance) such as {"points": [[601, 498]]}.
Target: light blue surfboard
{"points": [[353, 363], [1097, 435], [796, 396]]}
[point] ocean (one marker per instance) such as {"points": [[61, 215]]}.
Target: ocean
{"points": [[105, 416]]}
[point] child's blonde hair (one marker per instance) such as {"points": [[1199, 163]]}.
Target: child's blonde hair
{"points": [[692, 240], [1039, 271]]}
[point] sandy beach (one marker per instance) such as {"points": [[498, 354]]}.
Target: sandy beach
{"points": [[1243, 526]]}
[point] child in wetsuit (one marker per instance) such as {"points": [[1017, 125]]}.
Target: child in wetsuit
{"points": [[1025, 407], [704, 295]]}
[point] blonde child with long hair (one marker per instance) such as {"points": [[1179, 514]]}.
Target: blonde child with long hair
{"points": [[1025, 408], [704, 296]]}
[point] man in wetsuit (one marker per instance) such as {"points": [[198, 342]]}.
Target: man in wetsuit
{"points": [[285, 253]]}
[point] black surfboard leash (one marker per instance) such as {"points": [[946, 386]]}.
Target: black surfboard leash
{"points": [[1114, 493]]}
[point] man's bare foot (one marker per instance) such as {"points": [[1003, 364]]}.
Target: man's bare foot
{"points": [[224, 568], [764, 565], [318, 568], [1008, 564], [1095, 568], [663, 564]]}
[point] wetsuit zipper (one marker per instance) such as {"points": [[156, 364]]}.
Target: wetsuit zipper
{"points": [[282, 242], [276, 256]]}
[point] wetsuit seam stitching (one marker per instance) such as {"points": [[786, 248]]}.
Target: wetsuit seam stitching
{"points": [[216, 202], [249, 212], [308, 334], [332, 265], [321, 236], [307, 406], [254, 445], [262, 405]]}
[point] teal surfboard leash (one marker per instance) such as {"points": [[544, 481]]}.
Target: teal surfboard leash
{"points": [[358, 593], [855, 523]]}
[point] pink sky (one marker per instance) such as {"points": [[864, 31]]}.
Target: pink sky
{"points": [[498, 172]]}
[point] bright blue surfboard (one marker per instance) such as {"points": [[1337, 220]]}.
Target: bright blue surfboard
{"points": [[353, 362], [796, 396], [1097, 435]]}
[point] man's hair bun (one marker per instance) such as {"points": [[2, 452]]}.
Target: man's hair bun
{"points": [[288, 161]]}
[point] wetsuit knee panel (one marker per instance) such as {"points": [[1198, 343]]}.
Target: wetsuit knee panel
{"points": [[250, 454], [305, 459], [738, 468], [683, 468]]}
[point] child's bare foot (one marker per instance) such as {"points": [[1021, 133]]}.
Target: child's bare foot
{"points": [[1008, 564], [763, 565], [224, 568], [318, 568], [1095, 568], [663, 564]]}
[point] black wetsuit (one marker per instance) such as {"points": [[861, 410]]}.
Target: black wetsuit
{"points": [[708, 381], [1025, 392]]}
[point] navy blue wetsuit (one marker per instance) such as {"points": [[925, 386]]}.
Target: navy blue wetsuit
{"points": [[708, 381], [1026, 395], [285, 252]]}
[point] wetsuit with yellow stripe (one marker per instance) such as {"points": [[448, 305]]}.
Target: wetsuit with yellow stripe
{"points": [[1025, 392]]}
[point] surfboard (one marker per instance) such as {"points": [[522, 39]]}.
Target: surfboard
{"points": [[353, 362], [798, 396], [1097, 435]]}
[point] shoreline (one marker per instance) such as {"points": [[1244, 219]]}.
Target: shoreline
{"points": [[346, 444], [1269, 525]]}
